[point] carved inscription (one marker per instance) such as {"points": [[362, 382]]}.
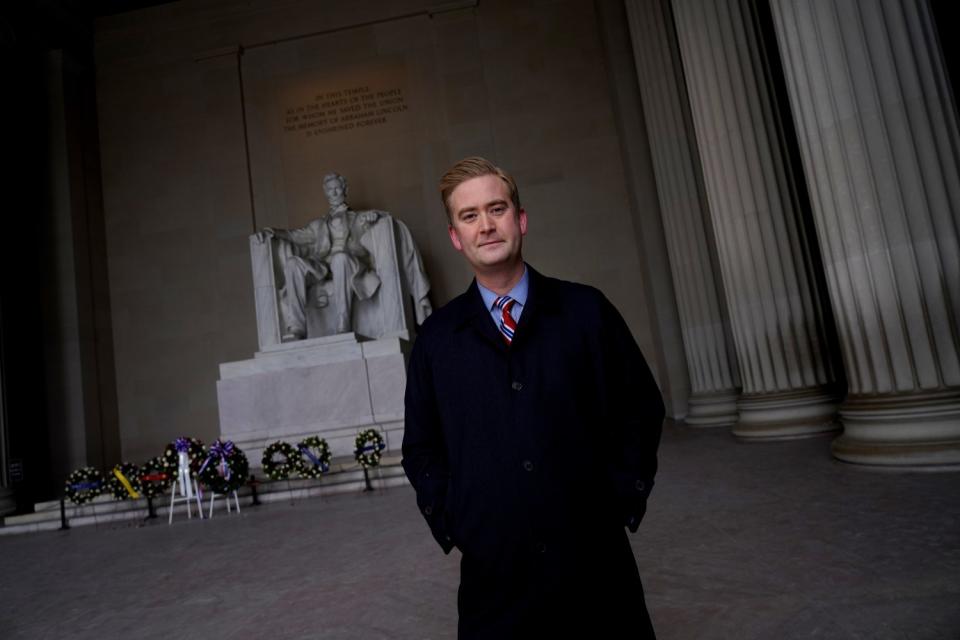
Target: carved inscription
{"points": [[343, 110]]}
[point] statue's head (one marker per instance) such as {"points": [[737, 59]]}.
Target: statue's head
{"points": [[335, 187], [475, 167]]}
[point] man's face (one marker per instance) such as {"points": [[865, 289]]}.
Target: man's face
{"points": [[484, 224], [335, 192]]}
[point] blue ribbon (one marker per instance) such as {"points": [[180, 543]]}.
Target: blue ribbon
{"points": [[373, 447], [182, 444], [315, 460], [83, 486]]}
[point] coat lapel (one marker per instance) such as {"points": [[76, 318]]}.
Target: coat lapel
{"points": [[474, 313]]}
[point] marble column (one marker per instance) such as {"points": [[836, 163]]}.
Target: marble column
{"points": [[7, 502], [779, 330], [881, 150], [708, 347]]}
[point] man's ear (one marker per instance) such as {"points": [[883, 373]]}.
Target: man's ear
{"points": [[522, 216], [454, 238]]}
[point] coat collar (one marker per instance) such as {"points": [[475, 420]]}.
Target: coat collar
{"points": [[541, 299]]}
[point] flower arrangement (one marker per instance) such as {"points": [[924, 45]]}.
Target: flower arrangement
{"points": [[154, 478], [171, 455], [83, 485], [314, 458], [225, 467], [369, 444], [276, 470], [123, 481]]}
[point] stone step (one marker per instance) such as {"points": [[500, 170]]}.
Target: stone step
{"points": [[343, 477]]}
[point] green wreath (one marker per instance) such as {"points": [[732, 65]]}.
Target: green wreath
{"points": [[154, 478], [314, 460], [171, 456], [83, 485], [369, 444], [131, 473], [225, 468], [279, 470]]}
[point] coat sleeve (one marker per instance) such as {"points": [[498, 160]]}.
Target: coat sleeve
{"points": [[424, 450], [634, 407]]}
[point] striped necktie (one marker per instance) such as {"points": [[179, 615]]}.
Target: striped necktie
{"points": [[507, 324]]}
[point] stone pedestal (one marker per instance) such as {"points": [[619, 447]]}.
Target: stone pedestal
{"points": [[779, 329], [330, 387], [707, 345], [879, 138]]}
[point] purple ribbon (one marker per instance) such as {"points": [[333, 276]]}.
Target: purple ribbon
{"points": [[222, 450], [182, 444]]}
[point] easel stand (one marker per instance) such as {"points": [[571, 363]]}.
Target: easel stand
{"points": [[227, 496], [367, 485], [189, 490]]}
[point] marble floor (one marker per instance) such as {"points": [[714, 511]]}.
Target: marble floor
{"points": [[741, 541]]}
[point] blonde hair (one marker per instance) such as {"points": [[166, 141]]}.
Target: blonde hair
{"points": [[474, 167]]}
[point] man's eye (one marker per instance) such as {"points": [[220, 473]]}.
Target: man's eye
{"points": [[498, 210], [467, 217]]}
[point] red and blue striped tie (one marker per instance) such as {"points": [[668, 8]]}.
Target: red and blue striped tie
{"points": [[507, 324]]}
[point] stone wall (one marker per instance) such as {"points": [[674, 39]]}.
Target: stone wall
{"points": [[217, 118]]}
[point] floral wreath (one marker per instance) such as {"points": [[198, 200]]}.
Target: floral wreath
{"points": [[171, 455], [225, 468], [280, 470], [123, 481], [154, 478], [369, 444], [83, 485], [315, 464]]}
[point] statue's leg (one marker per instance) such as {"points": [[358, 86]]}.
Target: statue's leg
{"points": [[293, 298], [343, 266]]}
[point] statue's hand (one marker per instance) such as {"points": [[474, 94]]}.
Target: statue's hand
{"points": [[368, 217], [265, 234]]}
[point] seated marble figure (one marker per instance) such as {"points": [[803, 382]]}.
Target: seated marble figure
{"points": [[345, 271]]}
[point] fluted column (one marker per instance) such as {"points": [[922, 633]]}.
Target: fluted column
{"points": [[710, 359], [789, 384], [879, 140]]}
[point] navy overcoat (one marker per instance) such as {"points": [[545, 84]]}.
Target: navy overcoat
{"points": [[532, 458]]}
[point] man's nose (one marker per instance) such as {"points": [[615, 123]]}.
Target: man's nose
{"points": [[486, 222]]}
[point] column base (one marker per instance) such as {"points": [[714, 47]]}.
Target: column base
{"points": [[787, 415], [713, 409], [917, 430], [8, 503]]}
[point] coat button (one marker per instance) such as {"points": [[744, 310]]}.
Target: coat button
{"points": [[640, 485], [527, 465], [541, 547], [427, 510], [516, 386]]}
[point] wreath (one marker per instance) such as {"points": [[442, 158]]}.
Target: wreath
{"points": [[83, 485], [154, 478], [171, 456], [225, 468], [280, 470], [123, 481], [317, 454], [369, 444]]}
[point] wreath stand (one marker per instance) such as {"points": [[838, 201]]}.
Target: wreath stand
{"points": [[226, 496], [367, 485], [189, 489]]}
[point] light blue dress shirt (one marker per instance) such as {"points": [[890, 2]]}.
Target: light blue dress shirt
{"points": [[518, 293]]}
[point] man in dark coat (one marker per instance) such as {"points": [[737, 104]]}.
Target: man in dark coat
{"points": [[532, 424]]}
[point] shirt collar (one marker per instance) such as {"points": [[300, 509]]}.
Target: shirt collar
{"points": [[518, 293]]}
